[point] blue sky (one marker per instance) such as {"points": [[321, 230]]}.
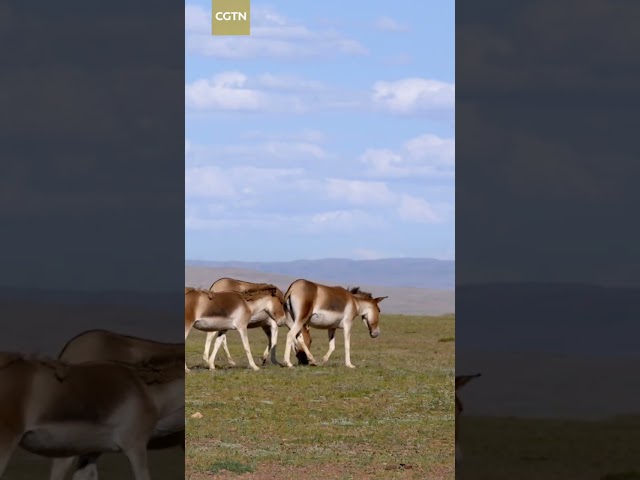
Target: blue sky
{"points": [[329, 132]]}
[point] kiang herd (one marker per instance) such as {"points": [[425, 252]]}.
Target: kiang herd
{"points": [[107, 392], [238, 305]]}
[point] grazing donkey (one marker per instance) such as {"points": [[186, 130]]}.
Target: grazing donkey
{"points": [[461, 381], [56, 409], [261, 319], [103, 345], [328, 308], [222, 311]]}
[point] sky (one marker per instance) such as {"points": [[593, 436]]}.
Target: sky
{"points": [[329, 132]]}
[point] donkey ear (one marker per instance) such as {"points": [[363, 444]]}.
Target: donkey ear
{"points": [[379, 299], [462, 380]]}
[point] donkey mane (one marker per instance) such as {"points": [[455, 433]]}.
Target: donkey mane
{"points": [[149, 371], [158, 372], [188, 290], [251, 295], [360, 293]]}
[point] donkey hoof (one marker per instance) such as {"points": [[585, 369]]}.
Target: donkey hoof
{"points": [[231, 363], [351, 366]]}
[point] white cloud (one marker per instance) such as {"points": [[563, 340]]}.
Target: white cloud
{"points": [[413, 95], [208, 182], [272, 36], [416, 209], [225, 91], [425, 155], [288, 83], [306, 136], [235, 91], [388, 24], [343, 221], [196, 19], [356, 192]]}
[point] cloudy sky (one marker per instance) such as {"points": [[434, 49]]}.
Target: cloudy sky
{"points": [[329, 132]]}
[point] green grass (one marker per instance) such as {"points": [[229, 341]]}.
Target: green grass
{"points": [[528, 449], [391, 417], [163, 465]]}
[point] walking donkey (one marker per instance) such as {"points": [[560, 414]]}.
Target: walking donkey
{"points": [[461, 381], [261, 319], [56, 409], [222, 311], [328, 308], [103, 345]]}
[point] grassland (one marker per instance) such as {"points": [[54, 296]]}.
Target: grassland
{"points": [[391, 417], [163, 465], [528, 449]]}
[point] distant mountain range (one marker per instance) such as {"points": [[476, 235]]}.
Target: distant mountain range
{"points": [[546, 317], [392, 272], [402, 300]]}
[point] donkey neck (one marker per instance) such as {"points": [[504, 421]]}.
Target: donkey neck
{"points": [[361, 305], [259, 304]]}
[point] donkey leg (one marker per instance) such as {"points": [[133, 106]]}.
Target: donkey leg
{"points": [[332, 344], [347, 345], [60, 467], [305, 349], [138, 459], [274, 342], [291, 336], [226, 352], [207, 345], [187, 329], [8, 444], [245, 343], [267, 331], [87, 468], [216, 346]]}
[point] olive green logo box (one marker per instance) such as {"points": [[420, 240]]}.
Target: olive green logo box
{"points": [[231, 17]]}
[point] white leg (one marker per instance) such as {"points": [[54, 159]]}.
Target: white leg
{"points": [[305, 349], [216, 346], [245, 343], [226, 352], [138, 458], [347, 345], [267, 331], [7, 446], [186, 334], [274, 342], [332, 344], [88, 472], [207, 345], [295, 329], [60, 467]]}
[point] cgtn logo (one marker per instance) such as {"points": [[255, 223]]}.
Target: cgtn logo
{"points": [[230, 17]]}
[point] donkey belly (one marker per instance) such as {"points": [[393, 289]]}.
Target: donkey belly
{"points": [[213, 324], [258, 319], [66, 439], [326, 320]]}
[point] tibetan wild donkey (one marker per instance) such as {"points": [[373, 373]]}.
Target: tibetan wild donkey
{"points": [[223, 311], [56, 409], [461, 381], [106, 346], [328, 308], [261, 319]]}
